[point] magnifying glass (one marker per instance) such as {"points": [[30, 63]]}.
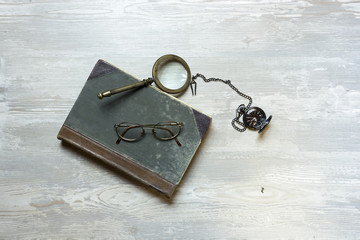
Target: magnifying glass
{"points": [[170, 73]]}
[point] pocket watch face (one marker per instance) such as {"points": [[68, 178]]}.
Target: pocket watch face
{"points": [[254, 117]]}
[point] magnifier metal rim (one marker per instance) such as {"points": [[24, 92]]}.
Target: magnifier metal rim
{"points": [[167, 58]]}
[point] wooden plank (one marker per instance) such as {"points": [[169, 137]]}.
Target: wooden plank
{"points": [[299, 60]]}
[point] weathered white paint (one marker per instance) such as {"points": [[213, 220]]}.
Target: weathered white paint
{"points": [[299, 60]]}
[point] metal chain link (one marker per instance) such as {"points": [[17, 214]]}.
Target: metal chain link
{"points": [[239, 111]]}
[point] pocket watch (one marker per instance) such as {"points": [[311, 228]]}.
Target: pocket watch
{"points": [[253, 118]]}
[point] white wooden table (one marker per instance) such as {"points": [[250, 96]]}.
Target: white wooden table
{"points": [[299, 60]]}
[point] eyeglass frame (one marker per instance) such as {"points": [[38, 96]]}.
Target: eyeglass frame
{"points": [[130, 125]]}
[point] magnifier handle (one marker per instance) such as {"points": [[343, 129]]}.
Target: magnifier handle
{"points": [[145, 82]]}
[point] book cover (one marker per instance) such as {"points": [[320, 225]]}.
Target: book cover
{"points": [[159, 164]]}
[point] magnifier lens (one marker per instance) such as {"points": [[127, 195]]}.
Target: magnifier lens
{"points": [[172, 74]]}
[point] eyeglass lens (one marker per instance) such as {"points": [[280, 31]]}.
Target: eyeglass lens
{"points": [[130, 132], [166, 131]]}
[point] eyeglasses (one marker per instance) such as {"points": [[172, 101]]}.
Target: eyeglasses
{"points": [[164, 131]]}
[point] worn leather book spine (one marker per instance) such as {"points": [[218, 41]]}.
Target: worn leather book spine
{"points": [[107, 155]]}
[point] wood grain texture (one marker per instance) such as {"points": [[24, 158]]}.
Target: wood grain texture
{"points": [[299, 60]]}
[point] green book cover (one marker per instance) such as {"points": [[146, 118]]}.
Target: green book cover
{"points": [[159, 164]]}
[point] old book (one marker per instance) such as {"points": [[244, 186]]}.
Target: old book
{"points": [[159, 164]]}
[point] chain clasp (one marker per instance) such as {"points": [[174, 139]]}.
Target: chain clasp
{"points": [[192, 82]]}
